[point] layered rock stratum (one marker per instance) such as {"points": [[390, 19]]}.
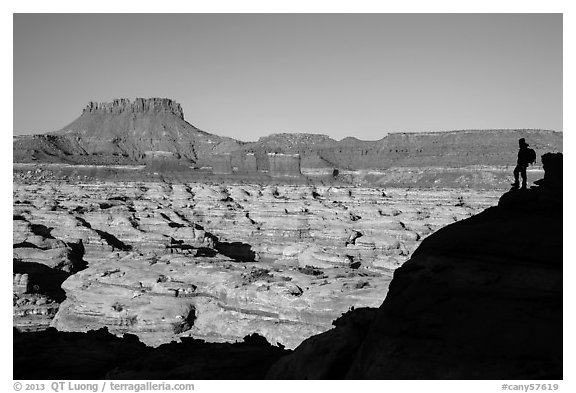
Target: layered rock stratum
{"points": [[123, 131]]}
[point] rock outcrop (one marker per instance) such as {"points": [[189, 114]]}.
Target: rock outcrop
{"points": [[248, 163], [140, 105], [221, 164], [552, 163], [282, 165], [479, 299]]}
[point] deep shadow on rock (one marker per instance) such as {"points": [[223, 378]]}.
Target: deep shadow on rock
{"points": [[51, 354], [45, 280], [479, 299], [237, 251], [196, 359], [98, 354]]}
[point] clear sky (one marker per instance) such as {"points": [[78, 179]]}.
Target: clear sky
{"points": [[249, 75]]}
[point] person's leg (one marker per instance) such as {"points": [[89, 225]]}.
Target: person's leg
{"points": [[516, 173], [523, 173]]}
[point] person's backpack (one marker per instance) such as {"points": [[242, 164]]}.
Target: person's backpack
{"points": [[531, 155]]}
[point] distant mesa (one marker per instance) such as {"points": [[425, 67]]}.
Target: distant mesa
{"points": [[126, 132], [122, 132]]}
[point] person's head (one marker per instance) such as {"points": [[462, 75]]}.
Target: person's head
{"points": [[522, 142]]}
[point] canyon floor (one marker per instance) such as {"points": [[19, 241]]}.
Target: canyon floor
{"points": [[214, 261]]}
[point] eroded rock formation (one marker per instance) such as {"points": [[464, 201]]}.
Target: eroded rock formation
{"points": [[481, 298], [283, 261]]}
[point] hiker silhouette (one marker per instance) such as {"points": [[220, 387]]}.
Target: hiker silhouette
{"points": [[525, 156]]}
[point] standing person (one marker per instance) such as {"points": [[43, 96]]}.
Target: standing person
{"points": [[525, 156]]}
